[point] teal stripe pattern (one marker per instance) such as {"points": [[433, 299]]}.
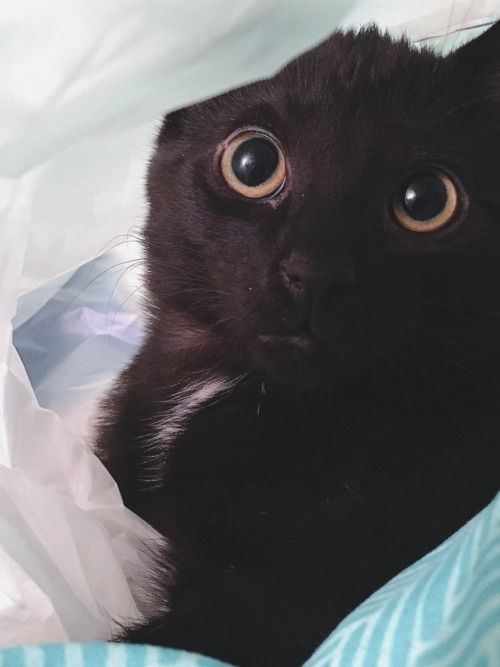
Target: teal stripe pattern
{"points": [[443, 611], [101, 655]]}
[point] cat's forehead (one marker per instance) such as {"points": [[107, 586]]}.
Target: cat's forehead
{"points": [[347, 62], [349, 91], [347, 74]]}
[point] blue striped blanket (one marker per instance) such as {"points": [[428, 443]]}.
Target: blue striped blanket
{"points": [[443, 611]]}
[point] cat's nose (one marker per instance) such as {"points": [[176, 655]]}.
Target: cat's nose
{"points": [[309, 282], [296, 274]]}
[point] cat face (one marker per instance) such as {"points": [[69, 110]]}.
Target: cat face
{"points": [[340, 216]]}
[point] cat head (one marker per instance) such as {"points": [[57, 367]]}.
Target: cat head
{"points": [[340, 216]]}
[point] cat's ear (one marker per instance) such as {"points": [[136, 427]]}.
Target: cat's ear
{"points": [[475, 77], [480, 57]]}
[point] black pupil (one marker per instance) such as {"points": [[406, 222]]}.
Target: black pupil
{"points": [[254, 161], [424, 196]]}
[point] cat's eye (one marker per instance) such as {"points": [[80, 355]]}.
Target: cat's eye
{"points": [[252, 163], [426, 201]]}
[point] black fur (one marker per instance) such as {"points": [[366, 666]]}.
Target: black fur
{"points": [[327, 464]]}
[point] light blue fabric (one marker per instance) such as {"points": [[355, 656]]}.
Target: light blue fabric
{"points": [[101, 655], [443, 611]]}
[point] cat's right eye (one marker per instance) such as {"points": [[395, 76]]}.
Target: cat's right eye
{"points": [[426, 201], [253, 165]]}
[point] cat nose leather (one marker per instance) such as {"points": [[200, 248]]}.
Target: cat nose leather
{"points": [[296, 276], [307, 281]]}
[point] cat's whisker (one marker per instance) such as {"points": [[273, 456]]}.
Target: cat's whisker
{"points": [[451, 333], [432, 375], [133, 263], [130, 262], [127, 238], [199, 289], [462, 312], [456, 336], [459, 347], [465, 104], [122, 305], [113, 244], [390, 354], [449, 360], [133, 267]]}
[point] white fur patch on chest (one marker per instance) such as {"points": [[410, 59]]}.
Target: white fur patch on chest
{"points": [[186, 403], [171, 423]]}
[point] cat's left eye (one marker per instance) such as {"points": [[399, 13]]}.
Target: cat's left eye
{"points": [[253, 165], [426, 201]]}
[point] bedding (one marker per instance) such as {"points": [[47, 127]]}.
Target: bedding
{"points": [[444, 611]]}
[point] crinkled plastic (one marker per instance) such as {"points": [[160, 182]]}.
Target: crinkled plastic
{"points": [[83, 85]]}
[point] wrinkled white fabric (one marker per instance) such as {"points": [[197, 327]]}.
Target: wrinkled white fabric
{"points": [[82, 86]]}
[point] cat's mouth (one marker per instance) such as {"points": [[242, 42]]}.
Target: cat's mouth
{"points": [[297, 358], [300, 341], [307, 356]]}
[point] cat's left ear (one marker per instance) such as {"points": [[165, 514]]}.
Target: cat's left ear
{"points": [[480, 57]]}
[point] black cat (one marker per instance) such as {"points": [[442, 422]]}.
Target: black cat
{"points": [[316, 404]]}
